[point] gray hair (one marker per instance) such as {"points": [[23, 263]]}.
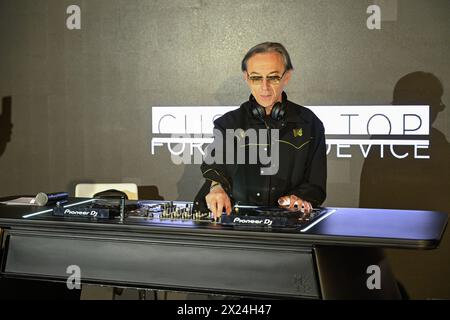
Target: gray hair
{"points": [[268, 47]]}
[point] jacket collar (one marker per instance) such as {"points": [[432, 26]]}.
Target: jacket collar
{"points": [[294, 112]]}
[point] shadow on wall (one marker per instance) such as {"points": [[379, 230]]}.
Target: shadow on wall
{"points": [[5, 123], [417, 184]]}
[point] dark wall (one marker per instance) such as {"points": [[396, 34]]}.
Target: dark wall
{"points": [[80, 100]]}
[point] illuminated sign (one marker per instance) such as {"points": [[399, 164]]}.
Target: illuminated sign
{"points": [[187, 130]]}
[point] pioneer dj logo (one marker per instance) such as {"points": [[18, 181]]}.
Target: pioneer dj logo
{"points": [[91, 213], [251, 221], [186, 131]]}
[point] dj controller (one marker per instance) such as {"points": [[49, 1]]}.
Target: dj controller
{"points": [[182, 213], [145, 244]]}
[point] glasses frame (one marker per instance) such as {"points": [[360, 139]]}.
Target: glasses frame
{"points": [[252, 81]]}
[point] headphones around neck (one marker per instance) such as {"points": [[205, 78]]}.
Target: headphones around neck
{"points": [[278, 110]]}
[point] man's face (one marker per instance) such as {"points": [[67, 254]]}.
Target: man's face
{"points": [[263, 70]]}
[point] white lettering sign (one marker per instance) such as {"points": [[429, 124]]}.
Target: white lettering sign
{"points": [[186, 131]]}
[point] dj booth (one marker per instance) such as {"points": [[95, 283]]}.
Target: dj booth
{"points": [[257, 252]]}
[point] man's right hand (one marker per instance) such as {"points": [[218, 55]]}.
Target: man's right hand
{"points": [[216, 200]]}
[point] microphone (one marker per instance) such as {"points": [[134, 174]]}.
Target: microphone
{"points": [[43, 199]]}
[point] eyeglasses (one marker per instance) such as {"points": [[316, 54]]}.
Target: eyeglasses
{"points": [[258, 80]]}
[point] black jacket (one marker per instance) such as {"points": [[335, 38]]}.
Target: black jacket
{"points": [[302, 160]]}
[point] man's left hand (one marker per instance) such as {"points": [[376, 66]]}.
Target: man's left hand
{"points": [[293, 201]]}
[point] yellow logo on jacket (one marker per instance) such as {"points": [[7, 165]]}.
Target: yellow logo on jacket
{"points": [[297, 132]]}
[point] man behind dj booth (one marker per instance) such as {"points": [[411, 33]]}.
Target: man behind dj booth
{"points": [[299, 179]]}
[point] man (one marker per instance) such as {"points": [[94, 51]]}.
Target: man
{"points": [[300, 180]]}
